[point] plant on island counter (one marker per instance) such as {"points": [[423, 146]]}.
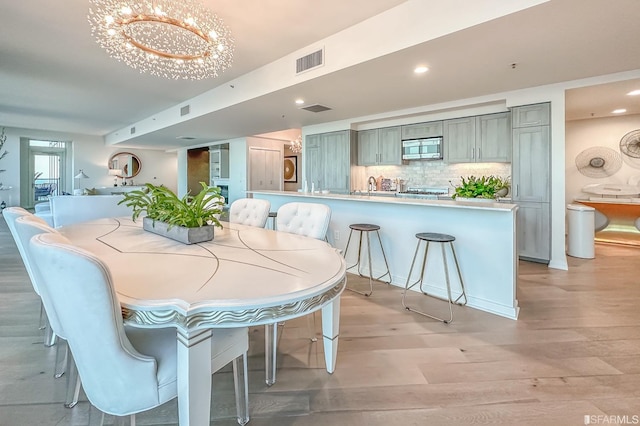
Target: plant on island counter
{"points": [[161, 204], [489, 187]]}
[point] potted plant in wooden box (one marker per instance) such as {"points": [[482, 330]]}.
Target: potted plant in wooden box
{"points": [[483, 187], [190, 219]]}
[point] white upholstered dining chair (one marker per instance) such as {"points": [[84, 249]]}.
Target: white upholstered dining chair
{"points": [[11, 214], [123, 372], [26, 227], [250, 211], [310, 220]]}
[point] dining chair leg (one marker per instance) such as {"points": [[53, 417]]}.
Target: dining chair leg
{"points": [[43, 317], [311, 325], [241, 383], [270, 350], [73, 382], [62, 349]]}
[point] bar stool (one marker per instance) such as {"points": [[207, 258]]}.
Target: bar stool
{"points": [[366, 228], [443, 239], [273, 216]]}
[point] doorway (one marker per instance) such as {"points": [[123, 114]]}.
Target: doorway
{"points": [[45, 171]]}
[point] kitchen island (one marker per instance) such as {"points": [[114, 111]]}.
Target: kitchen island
{"points": [[485, 241]]}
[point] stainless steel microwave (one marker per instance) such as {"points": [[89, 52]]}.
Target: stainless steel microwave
{"points": [[422, 149]]}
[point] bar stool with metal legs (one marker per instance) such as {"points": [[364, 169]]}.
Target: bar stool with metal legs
{"points": [[273, 216], [443, 239], [366, 228]]}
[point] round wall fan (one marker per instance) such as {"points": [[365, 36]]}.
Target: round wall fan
{"points": [[598, 162], [630, 144]]}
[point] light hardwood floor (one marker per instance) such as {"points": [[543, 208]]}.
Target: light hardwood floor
{"points": [[575, 351]]}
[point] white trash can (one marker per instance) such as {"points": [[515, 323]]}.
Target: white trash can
{"points": [[582, 220]]}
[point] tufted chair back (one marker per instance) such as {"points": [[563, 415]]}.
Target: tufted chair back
{"points": [[116, 377], [308, 219], [250, 211]]}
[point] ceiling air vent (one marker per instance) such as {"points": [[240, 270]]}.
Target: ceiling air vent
{"points": [[316, 108], [185, 110], [310, 61], [132, 130]]}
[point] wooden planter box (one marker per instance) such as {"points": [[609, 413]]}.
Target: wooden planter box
{"points": [[179, 233]]}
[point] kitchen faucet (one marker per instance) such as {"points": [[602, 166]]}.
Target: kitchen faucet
{"points": [[371, 184]]}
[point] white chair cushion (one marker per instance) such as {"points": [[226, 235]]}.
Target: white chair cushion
{"points": [[309, 219], [250, 211]]}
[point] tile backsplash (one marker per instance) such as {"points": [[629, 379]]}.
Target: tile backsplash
{"points": [[437, 174]]}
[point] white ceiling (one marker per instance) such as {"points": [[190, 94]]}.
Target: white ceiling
{"points": [[53, 76]]}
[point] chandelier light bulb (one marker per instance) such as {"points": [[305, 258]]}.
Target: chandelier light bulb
{"points": [[175, 39]]}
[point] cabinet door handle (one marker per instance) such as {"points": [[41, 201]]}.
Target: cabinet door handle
{"points": [[473, 153], [479, 154], [517, 188]]}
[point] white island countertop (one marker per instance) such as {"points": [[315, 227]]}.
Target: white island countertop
{"points": [[485, 234], [389, 198]]}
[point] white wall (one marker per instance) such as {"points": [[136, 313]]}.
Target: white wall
{"points": [[89, 154], [605, 132]]}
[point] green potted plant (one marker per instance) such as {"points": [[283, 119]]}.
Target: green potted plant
{"points": [[483, 187], [190, 219]]}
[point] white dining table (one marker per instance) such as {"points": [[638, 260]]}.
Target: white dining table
{"points": [[245, 276]]}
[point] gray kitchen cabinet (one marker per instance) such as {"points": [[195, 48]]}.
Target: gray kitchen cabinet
{"points": [[265, 169], [378, 147], [459, 140], [481, 139], [534, 231], [531, 181], [531, 115], [312, 155], [493, 138], [531, 168], [328, 158], [422, 130]]}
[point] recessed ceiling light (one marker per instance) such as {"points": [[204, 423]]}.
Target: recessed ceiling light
{"points": [[421, 70], [299, 101], [619, 111], [634, 93]]}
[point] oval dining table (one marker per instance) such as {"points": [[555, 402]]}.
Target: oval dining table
{"points": [[245, 276]]}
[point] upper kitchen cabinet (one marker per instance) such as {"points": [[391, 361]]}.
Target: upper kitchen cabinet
{"points": [[531, 115], [460, 140], [379, 147], [328, 158], [494, 138], [482, 139], [422, 130]]}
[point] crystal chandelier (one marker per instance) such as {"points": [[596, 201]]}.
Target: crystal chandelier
{"points": [[296, 145], [175, 39]]}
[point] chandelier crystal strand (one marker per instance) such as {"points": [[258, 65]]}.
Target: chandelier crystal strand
{"points": [[296, 145], [168, 38]]}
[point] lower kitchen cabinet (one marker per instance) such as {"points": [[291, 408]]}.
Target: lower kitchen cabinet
{"points": [[534, 231]]}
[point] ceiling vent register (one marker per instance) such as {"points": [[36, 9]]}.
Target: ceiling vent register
{"points": [[185, 110], [316, 108], [310, 61]]}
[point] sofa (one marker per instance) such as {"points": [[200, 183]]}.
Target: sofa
{"points": [[64, 210]]}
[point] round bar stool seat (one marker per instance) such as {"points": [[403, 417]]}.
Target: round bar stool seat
{"points": [[443, 240], [366, 228]]}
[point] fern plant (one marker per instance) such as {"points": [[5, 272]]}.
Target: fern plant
{"points": [[162, 204], [481, 187]]}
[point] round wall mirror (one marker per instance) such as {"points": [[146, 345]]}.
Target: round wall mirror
{"points": [[127, 162]]}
